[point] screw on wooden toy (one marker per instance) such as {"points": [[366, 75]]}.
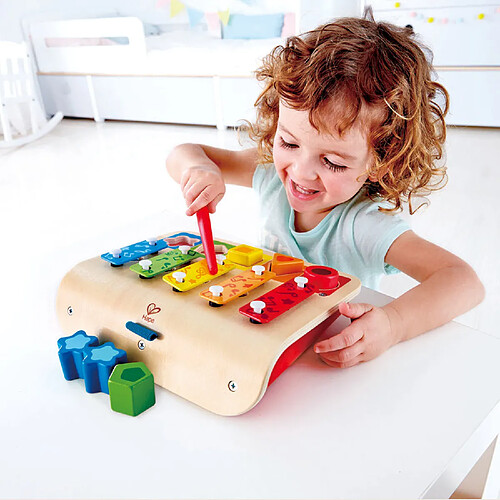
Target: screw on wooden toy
{"points": [[152, 242], [145, 264], [258, 270], [216, 291], [116, 253], [179, 277], [184, 249], [257, 306], [301, 281]]}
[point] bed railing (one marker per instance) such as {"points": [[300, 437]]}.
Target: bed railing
{"points": [[88, 46]]}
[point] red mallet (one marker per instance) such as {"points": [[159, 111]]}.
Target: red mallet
{"points": [[206, 237]]}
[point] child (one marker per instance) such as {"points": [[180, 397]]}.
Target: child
{"points": [[348, 127]]}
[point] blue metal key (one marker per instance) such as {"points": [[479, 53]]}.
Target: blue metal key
{"points": [[129, 253]]}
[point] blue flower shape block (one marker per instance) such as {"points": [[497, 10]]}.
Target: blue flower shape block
{"points": [[98, 363], [72, 351]]}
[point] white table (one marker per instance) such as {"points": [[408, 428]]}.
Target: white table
{"points": [[409, 424]]}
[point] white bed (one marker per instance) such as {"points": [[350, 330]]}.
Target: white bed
{"points": [[106, 68]]}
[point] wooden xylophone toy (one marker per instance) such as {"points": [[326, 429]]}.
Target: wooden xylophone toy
{"points": [[217, 338]]}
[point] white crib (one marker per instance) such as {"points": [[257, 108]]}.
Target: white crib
{"points": [[119, 73], [22, 118]]}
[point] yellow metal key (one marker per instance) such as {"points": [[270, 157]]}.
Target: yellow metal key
{"points": [[196, 274]]}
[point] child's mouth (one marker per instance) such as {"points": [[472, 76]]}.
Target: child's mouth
{"points": [[301, 192]]}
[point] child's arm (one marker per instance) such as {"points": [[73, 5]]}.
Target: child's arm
{"points": [[203, 171], [448, 287]]}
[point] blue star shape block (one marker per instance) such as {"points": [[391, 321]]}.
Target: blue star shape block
{"points": [[72, 351], [98, 363]]}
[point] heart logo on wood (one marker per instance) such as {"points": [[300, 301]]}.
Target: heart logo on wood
{"points": [[152, 309]]}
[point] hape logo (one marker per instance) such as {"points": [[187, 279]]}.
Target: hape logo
{"points": [[151, 309]]}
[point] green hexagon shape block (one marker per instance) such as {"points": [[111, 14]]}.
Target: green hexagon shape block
{"points": [[131, 388]]}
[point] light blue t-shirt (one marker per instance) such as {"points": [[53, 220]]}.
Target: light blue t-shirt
{"points": [[353, 238]]}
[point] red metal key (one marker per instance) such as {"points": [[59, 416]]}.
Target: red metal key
{"points": [[277, 301]]}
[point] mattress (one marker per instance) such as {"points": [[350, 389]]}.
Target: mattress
{"points": [[199, 54]]}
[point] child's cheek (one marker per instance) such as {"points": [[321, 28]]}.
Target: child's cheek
{"points": [[279, 163]]}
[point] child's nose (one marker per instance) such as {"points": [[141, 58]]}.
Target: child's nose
{"points": [[304, 169]]}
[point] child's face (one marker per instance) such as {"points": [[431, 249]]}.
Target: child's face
{"points": [[319, 170]]}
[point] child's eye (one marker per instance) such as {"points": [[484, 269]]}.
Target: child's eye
{"points": [[333, 166], [287, 145]]}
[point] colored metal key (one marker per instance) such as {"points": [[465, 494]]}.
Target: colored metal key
{"points": [[129, 253], [238, 285], [164, 262], [277, 301], [206, 237], [315, 279], [194, 275]]}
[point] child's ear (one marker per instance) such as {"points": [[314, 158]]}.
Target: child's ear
{"points": [[375, 174]]}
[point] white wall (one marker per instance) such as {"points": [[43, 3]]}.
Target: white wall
{"points": [[314, 12]]}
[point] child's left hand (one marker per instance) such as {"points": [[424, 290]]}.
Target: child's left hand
{"points": [[368, 336]]}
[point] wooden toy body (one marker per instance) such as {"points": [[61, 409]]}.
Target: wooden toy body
{"points": [[212, 356]]}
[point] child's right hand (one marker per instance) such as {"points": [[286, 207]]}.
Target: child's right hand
{"points": [[202, 186]]}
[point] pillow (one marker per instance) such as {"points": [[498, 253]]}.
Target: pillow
{"points": [[251, 27]]}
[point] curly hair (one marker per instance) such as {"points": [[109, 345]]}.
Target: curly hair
{"points": [[362, 64]]}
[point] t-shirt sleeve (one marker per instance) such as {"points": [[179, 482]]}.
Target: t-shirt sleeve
{"points": [[262, 178], [374, 233]]}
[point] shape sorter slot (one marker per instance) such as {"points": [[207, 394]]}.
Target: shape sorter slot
{"points": [[196, 274], [263, 261], [237, 285], [245, 255], [179, 239], [284, 264], [221, 247]]}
